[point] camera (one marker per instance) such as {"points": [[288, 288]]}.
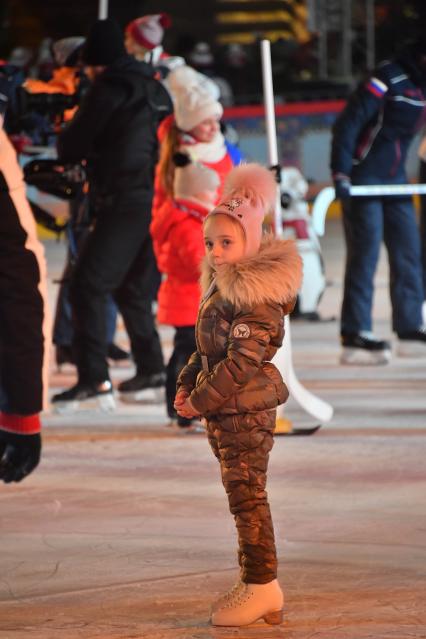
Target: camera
{"points": [[50, 104]]}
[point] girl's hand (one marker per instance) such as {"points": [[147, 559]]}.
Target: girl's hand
{"points": [[180, 398], [187, 409]]}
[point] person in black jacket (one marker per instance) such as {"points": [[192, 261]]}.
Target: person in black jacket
{"points": [[371, 138], [115, 131], [25, 331]]}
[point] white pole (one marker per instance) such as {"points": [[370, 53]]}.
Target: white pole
{"points": [[103, 9], [271, 133], [283, 359]]}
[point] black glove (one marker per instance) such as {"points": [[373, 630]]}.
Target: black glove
{"points": [[19, 455], [342, 187]]}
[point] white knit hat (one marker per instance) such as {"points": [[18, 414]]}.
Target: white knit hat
{"points": [[192, 178], [185, 76], [193, 105]]}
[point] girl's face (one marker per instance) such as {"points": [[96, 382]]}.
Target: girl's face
{"points": [[224, 241], [206, 130]]}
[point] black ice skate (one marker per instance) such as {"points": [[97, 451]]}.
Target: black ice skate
{"points": [[413, 343], [364, 349], [134, 389], [85, 397]]}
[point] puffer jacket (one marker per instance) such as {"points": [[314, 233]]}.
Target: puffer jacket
{"points": [[115, 129], [240, 326], [177, 234]]}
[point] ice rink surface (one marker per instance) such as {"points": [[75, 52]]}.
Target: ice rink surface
{"points": [[124, 532]]}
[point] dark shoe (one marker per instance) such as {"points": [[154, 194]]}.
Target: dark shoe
{"points": [[193, 427], [64, 354], [364, 348], [133, 389], [183, 422], [83, 396], [414, 336], [412, 343], [116, 353]]}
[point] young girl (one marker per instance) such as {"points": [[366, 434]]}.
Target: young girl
{"points": [[194, 128], [249, 284], [177, 233]]}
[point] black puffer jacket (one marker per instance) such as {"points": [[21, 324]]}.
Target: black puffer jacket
{"points": [[115, 128]]}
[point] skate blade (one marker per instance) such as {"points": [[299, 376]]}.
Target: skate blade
{"points": [[411, 348], [145, 396], [103, 403], [362, 357]]}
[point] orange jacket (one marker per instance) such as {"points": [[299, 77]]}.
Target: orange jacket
{"points": [[65, 80]]}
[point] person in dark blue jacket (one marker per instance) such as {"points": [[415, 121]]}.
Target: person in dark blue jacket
{"points": [[371, 138]]}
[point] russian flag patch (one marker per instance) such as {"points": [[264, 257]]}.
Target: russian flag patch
{"points": [[376, 87]]}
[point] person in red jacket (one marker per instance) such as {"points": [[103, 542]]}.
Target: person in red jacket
{"points": [[179, 248], [194, 128]]}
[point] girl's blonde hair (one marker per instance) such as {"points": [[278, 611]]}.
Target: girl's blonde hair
{"points": [[166, 165]]}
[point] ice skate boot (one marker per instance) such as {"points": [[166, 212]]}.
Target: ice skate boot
{"points": [[412, 343], [184, 426], [250, 603], [134, 389], [364, 349], [85, 397]]}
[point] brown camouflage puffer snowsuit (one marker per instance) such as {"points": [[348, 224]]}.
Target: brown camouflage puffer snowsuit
{"points": [[234, 385]]}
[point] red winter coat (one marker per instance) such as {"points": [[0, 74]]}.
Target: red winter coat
{"points": [[177, 235]]}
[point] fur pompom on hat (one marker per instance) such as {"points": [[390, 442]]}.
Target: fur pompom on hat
{"points": [[66, 51], [104, 44], [148, 31], [194, 104], [192, 178], [250, 192]]}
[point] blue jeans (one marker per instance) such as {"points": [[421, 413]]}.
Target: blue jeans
{"points": [[366, 222]]}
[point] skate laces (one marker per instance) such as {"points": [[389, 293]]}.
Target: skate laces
{"points": [[232, 592], [240, 595]]}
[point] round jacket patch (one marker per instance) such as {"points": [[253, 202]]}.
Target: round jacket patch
{"points": [[241, 331]]}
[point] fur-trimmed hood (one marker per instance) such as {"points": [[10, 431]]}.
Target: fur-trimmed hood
{"points": [[274, 274]]}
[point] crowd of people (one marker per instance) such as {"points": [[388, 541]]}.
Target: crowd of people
{"points": [[164, 188]]}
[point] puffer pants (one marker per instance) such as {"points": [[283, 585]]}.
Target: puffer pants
{"points": [[242, 444]]}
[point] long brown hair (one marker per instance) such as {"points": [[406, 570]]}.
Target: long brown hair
{"points": [[169, 146]]}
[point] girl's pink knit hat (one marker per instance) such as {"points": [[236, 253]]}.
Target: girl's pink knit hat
{"points": [[250, 192]]}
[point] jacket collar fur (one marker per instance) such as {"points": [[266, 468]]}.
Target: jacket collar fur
{"points": [[274, 274]]}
